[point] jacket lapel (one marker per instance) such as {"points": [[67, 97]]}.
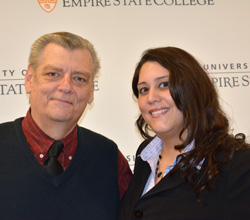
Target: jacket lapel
{"points": [[142, 173], [142, 170], [166, 183]]}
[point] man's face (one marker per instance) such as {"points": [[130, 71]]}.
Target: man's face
{"points": [[61, 86]]}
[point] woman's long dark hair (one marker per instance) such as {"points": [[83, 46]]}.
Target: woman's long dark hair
{"points": [[196, 97]]}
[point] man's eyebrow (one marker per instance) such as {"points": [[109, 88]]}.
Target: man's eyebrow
{"points": [[83, 73], [54, 68], [51, 67]]}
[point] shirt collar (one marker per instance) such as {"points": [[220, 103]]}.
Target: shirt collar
{"points": [[153, 149], [40, 142]]}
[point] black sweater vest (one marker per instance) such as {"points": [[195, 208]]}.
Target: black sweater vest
{"points": [[87, 190]]}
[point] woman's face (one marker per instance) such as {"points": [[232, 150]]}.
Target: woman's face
{"points": [[156, 103]]}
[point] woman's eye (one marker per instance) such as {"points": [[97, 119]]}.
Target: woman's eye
{"points": [[143, 90], [163, 84]]}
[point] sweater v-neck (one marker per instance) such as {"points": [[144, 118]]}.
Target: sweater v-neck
{"points": [[56, 181]]}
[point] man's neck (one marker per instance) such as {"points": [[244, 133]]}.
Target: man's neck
{"points": [[54, 129]]}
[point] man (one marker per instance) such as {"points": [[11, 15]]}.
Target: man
{"points": [[51, 168]]}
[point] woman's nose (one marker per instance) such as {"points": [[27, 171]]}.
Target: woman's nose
{"points": [[153, 96]]}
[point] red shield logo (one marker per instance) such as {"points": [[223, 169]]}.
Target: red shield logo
{"points": [[47, 5]]}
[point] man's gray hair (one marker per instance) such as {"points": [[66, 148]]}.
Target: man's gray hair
{"points": [[66, 40]]}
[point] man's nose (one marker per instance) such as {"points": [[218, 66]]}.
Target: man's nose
{"points": [[66, 84]]}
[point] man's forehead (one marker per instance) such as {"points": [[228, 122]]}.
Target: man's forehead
{"points": [[54, 54]]}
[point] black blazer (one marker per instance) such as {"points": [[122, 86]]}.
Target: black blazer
{"points": [[174, 199]]}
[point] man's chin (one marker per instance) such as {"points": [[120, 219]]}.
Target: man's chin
{"points": [[58, 118]]}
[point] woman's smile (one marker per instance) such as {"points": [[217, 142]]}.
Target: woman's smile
{"points": [[158, 112]]}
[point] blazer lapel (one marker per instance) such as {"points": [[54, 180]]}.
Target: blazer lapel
{"points": [[142, 170], [166, 183]]}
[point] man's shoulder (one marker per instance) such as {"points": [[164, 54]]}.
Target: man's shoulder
{"points": [[10, 124], [6, 124], [10, 130], [95, 137]]}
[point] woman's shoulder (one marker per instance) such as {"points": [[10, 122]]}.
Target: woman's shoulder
{"points": [[239, 164], [241, 157], [236, 182]]}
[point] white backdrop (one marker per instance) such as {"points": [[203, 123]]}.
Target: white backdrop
{"points": [[216, 32]]}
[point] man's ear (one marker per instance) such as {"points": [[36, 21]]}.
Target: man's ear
{"points": [[91, 97], [28, 77]]}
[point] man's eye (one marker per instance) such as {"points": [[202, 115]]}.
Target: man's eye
{"points": [[53, 74], [163, 85], [80, 79]]}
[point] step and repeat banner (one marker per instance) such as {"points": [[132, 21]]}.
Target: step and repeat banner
{"points": [[216, 32]]}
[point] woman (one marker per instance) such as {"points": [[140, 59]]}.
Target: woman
{"points": [[193, 168]]}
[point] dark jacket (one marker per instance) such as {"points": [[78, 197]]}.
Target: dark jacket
{"points": [[174, 199]]}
